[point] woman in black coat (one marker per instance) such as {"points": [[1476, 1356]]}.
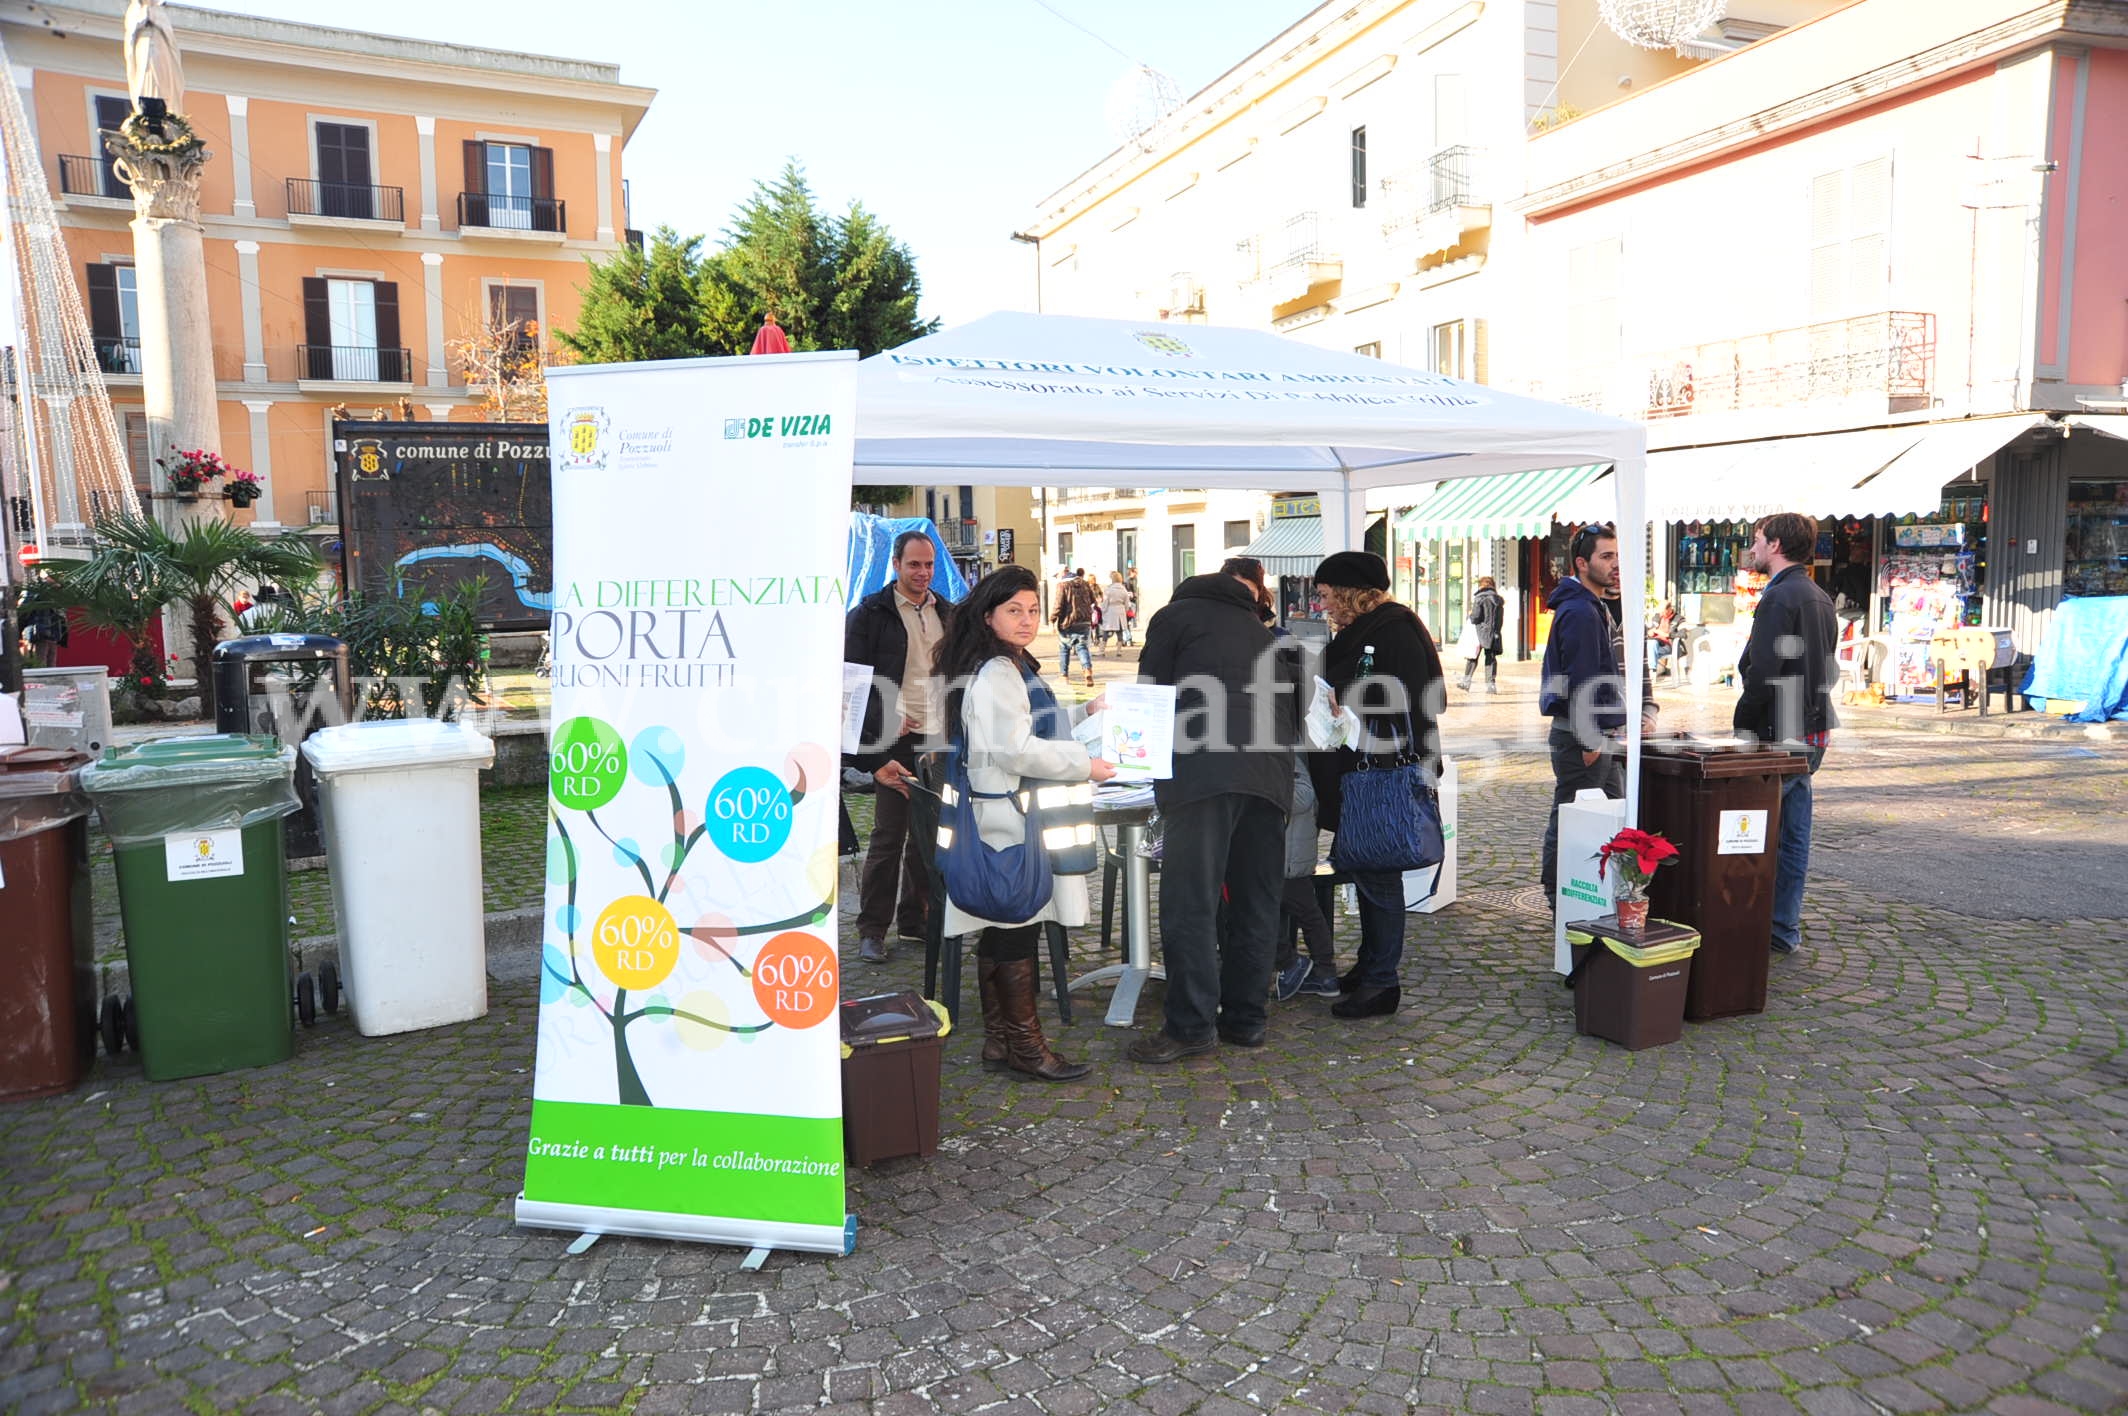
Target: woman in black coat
{"points": [[1382, 664]]}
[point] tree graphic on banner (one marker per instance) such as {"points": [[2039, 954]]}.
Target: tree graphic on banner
{"points": [[635, 942]]}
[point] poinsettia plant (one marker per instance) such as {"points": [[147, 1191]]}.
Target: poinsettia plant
{"points": [[1637, 855], [243, 487]]}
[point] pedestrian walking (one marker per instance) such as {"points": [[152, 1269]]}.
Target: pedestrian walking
{"points": [[1118, 608], [1487, 612], [895, 631], [1224, 811], [1788, 669], [1583, 688], [1075, 615], [1015, 733], [1382, 664]]}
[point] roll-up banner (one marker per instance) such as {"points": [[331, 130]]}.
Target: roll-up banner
{"points": [[688, 1079]]}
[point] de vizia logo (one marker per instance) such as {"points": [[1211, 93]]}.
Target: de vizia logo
{"points": [[790, 429]]}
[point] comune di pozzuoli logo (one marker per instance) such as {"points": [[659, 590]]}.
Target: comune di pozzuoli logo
{"points": [[584, 442]]}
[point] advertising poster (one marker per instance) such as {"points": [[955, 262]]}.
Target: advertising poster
{"points": [[688, 1079]]}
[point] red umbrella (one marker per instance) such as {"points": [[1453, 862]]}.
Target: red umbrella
{"points": [[769, 339]]}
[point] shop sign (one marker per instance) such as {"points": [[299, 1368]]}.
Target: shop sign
{"points": [[1284, 507], [687, 1078]]}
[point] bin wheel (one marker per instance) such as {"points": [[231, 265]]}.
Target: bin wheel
{"points": [[329, 986], [112, 1022], [131, 1020], [307, 1000]]}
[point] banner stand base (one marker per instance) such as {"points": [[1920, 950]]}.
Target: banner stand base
{"points": [[593, 1222]]}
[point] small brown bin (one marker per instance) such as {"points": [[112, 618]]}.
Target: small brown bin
{"points": [[891, 1044], [1719, 802], [1627, 991], [47, 969]]}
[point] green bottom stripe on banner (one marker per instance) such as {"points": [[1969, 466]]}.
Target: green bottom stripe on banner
{"points": [[727, 1163]]}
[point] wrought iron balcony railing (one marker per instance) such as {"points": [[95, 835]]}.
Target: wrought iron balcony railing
{"points": [[353, 363], [321, 508], [498, 213], [117, 356], [345, 201], [90, 177], [1891, 356]]}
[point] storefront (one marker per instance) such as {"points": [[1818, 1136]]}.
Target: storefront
{"points": [[1291, 547], [1512, 528]]}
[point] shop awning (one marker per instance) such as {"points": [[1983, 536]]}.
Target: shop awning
{"points": [[1943, 453], [2113, 425], [1290, 545], [1741, 481], [1485, 508]]}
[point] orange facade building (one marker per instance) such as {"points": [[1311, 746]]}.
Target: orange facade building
{"points": [[371, 203]]}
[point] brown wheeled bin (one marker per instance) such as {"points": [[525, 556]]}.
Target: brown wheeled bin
{"points": [[1720, 805], [47, 967]]}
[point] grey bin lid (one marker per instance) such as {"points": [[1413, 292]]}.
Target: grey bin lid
{"points": [[388, 744], [269, 648]]}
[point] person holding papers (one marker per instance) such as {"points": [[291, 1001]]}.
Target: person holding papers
{"points": [[1015, 733], [1225, 812], [1382, 665]]}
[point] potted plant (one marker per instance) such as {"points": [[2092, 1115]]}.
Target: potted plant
{"points": [[242, 488], [189, 472], [1637, 856]]}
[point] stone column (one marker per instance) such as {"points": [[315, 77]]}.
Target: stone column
{"points": [[170, 268], [439, 375], [603, 144], [431, 210]]}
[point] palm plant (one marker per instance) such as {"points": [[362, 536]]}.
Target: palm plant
{"points": [[121, 597], [204, 564]]}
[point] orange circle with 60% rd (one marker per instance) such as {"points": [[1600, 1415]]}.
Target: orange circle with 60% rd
{"points": [[794, 980], [636, 942]]}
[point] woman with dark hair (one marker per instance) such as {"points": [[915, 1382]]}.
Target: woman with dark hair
{"points": [[1382, 664], [998, 705]]}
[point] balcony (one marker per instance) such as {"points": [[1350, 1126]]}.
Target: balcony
{"points": [[321, 508], [963, 537], [352, 364], [530, 218], [314, 203], [1434, 206], [1185, 296], [92, 177], [1291, 259], [117, 356], [1881, 363]]}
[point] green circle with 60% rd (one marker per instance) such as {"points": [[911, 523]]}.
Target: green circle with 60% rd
{"points": [[587, 764]]}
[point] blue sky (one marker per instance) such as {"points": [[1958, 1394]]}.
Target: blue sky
{"points": [[949, 120]]}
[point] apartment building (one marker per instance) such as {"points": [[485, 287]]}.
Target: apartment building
{"points": [[372, 201]]}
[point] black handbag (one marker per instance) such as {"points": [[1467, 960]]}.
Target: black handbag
{"points": [[1389, 815]]}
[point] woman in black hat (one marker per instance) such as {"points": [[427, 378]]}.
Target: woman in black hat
{"points": [[1382, 664]]}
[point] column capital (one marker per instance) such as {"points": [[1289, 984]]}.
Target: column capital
{"points": [[602, 142], [424, 125], [441, 412], [258, 405], [247, 248], [238, 104], [432, 258]]}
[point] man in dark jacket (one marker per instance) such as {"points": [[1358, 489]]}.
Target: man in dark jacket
{"points": [[1487, 612], [1224, 813], [1788, 672], [894, 631], [1583, 690]]}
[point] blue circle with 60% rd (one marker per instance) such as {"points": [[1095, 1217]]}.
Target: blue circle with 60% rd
{"points": [[749, 814]]}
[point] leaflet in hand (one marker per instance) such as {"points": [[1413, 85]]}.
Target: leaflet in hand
{"points": [[1329, 725], [1136, 731], [856, 694]]}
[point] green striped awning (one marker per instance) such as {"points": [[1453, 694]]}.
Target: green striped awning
{"points": [[1482, 508]]}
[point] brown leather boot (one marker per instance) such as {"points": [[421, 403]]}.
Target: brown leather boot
{"points": [[995, 1045], [1027, 1050]]}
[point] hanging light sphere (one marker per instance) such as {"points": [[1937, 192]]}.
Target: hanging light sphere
{"points": [[1138, 101], [1658, 24]]}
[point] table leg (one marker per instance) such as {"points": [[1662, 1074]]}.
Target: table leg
{"points": [[1130, 976]]}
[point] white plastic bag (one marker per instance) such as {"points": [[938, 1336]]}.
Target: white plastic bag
{"points": [[1467, 645], [1328, 725]]}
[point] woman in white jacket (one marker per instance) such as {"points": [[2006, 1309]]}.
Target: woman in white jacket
{"points": [[1015, 734]]}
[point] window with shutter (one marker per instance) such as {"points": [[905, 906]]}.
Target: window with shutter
{"points": [[1828, 256], [344, 171], [1850, 241], [111, 113], [473, 206], [391, 359], [1359, 167], [114, 317]]}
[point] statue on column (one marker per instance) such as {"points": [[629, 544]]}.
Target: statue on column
{"points": [[156, 150], [152, 66]]}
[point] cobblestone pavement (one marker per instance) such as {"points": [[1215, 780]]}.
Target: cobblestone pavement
{"points": [[1897, 1190]]}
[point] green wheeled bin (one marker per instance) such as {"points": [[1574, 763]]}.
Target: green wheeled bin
{"points": [[203, 893]]}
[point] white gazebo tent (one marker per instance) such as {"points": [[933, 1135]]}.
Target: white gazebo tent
{"points": [[1058, 401]]}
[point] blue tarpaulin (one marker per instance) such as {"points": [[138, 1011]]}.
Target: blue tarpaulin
{"points": [[872, 556], [2085, 658]]}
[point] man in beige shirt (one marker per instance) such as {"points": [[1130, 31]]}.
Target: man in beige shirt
{"points": [[895, 631]]}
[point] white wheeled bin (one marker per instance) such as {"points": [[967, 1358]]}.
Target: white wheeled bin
{"points": [[400, 804]]}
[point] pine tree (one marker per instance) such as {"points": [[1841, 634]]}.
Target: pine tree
{"points": [[643, 304]]}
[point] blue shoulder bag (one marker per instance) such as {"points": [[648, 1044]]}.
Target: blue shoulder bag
{"points": [[1388, 816], [1006, 886]]}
